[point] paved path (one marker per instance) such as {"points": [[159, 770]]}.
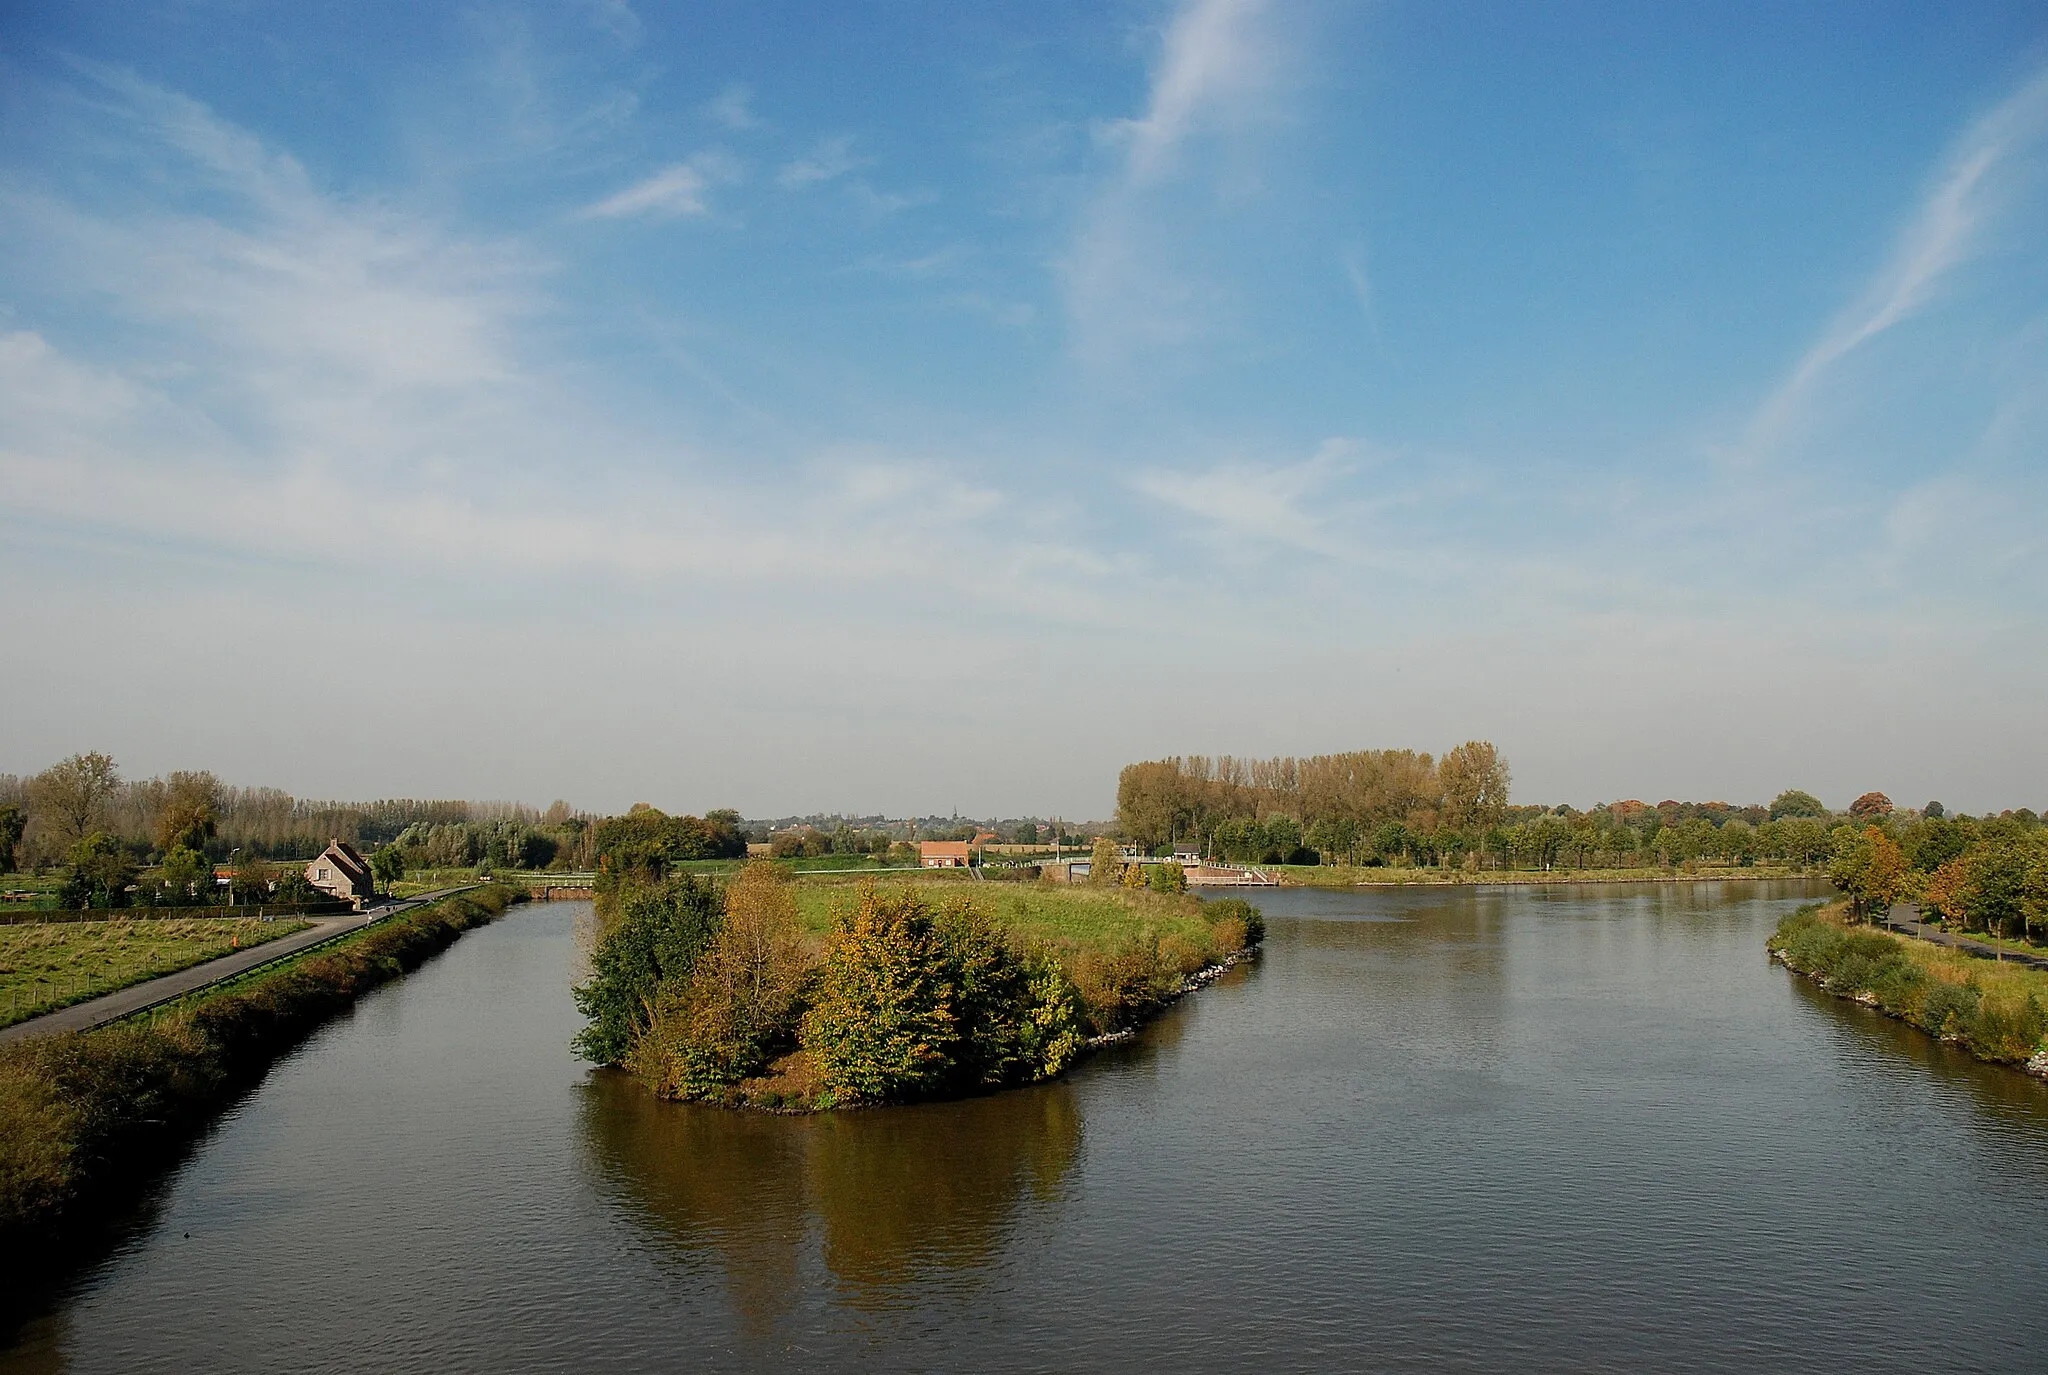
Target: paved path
{"points": [[1911, 925], [140, 997]]}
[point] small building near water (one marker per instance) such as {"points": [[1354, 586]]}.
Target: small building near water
{"points": [[942, 854], [340, 871], [1187, 855]]}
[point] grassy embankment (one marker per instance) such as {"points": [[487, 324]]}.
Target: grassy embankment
{"points": [[48, 965], [87, 1118], [1996, 1011], [1349, 876]]}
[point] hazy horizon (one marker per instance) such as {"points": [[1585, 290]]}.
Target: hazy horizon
{"points": [[935, 409]]}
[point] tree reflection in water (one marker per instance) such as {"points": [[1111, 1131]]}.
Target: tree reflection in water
{"points": [[895, 1197]]}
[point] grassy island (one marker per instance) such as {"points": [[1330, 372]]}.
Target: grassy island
{"points": [[87, 1118], [769, 993], [1998, 1012]]}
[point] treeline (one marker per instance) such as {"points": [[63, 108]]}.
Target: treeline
{"points": [[84, 794], [1286, 810], [1988, 875], [44, 818], [1403, 808], [713, 993]]}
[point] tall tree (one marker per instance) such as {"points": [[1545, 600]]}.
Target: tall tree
{"points": [[1474, 779], [13, 821], [70, 798], [1793, 802], [190, 812]]}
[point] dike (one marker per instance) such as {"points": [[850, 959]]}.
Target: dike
{"points": [[90, 1120]]}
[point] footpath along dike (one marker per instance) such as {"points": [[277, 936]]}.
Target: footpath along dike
{"points": [[1995, 1008], [88, 1118]]}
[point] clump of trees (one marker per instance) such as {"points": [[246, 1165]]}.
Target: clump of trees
{"points": [[715, 994], [1267, 809], [646, 841]]}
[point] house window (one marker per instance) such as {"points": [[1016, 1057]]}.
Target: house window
{"points": [[323, 873]]}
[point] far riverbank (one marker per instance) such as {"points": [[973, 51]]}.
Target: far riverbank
{"points": [[1345, 876]]}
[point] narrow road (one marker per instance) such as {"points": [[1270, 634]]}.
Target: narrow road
{"points": [[143, 996], [1911, 925]]}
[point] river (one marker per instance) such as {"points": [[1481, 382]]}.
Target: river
{"points": [[1469, 1129]]}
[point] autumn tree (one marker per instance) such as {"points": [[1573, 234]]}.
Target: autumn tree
{"points": [[1474, 780], [653, 936], [1870, 806], [189, 812], [1869, 868], [884, 1012], [1105, 863], [1793, 802], [738, 1008], [70, 798]]}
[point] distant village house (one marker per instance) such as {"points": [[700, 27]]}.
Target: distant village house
{"points": [[342, 872], [942, 854]]}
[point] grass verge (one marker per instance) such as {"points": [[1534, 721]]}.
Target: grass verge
{"points": [[88, 1118], [1998, 1012], [45, 966]]}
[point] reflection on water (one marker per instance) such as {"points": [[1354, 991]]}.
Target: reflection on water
{"points": [[1465, 1129], [888, 1197]]}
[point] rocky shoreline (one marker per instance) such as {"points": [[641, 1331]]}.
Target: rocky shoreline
{"points": [[1193, 983], [2036, 1065]]}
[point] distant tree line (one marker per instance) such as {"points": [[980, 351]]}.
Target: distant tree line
{"points": [[1403, 807], [1287, 810]]}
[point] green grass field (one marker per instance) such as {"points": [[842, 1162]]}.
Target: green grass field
{"points": [[1073, 915], [48, 965]]}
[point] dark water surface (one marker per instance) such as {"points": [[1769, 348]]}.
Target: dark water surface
{"points": [[1505, 1128]]}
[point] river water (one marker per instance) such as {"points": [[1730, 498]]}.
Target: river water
{"points": [[1538, 1128]]}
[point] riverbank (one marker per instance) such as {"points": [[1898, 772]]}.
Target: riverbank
{"points": [[1346, 876], [88, 1118], [1998, 1012]]}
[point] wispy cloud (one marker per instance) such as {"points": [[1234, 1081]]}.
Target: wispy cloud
{"points": [[1278, 504], [1128, 280], [1210, 58], [1944, 233], [830, 159], [615, 17], [679, 190], [734, 108]]}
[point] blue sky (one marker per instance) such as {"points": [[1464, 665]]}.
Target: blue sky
{"points": [[913, 407]]}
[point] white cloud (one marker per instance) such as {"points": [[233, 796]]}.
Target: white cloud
{"points": [[1945, 232], [676, 191], [1131, 278], [1211, 58], [734, 108], [1284, 504], [830, 159]]}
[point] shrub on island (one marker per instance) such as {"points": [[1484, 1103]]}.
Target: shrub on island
{"points": [[911, 996]]}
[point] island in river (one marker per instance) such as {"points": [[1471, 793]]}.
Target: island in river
{"points": [[764, 993]]}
